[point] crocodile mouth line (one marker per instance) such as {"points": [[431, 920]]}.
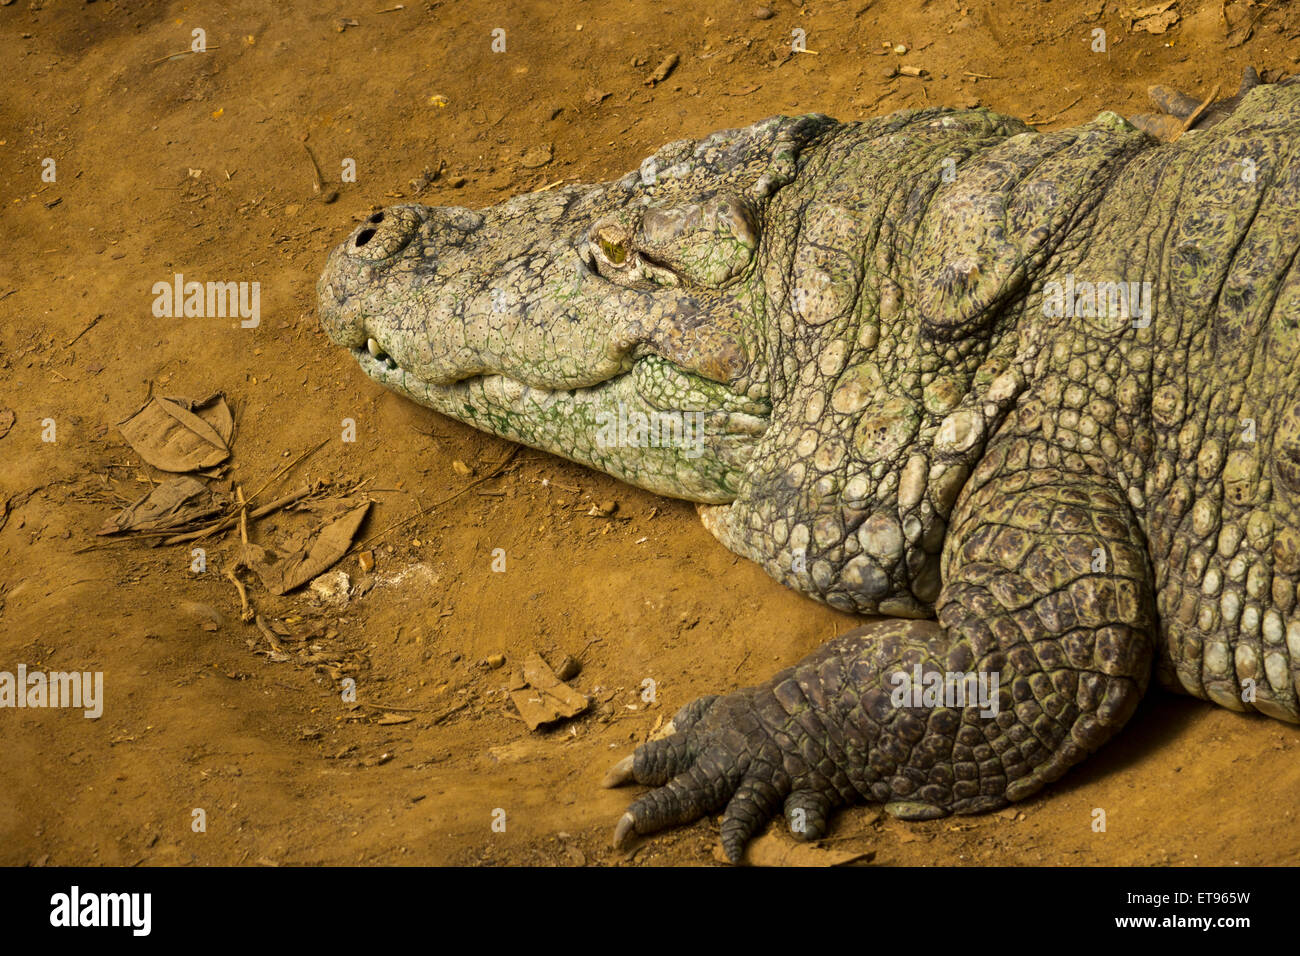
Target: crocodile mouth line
{"points": [[381, 367]]}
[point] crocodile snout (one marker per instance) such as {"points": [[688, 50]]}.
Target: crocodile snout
{"points": [[385, 234], [357, 263]]}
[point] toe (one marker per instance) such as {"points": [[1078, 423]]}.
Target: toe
{"points": [[1249, 80], [690, 715], [806, 812], [755, 802], [656, 762], [1162, 126], [682, 800], [1172, 102]]}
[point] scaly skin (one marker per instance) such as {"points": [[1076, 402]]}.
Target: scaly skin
{"points": [[898, 418]]}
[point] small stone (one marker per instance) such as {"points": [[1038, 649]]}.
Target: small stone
{"points": [[763, 13], [332, 587], [900, 48], [461, 468], [568, 668], [537, 157], [366, 559], [604, 509], [495, 661]]}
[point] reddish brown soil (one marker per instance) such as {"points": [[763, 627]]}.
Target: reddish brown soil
{"points": [[194, 165]]}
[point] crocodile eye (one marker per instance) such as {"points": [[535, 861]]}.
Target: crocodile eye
{"points": [[615, 252]]}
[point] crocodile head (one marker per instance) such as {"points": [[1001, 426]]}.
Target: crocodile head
{"points": [[615, 325]]}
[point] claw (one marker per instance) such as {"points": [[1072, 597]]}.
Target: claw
{"points": [[1172, 101], [1250, 79], [619, 774], [626, 826]]}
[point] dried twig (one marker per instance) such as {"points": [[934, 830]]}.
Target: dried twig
{"points": [[404, 710], [423, 511], [1196, 113], [245, 611], [243, 516], [1055, 116], [92, 324], [451, 710], [269, 634], [296, 461], [172, 56], [318, 181], [229, 522]]}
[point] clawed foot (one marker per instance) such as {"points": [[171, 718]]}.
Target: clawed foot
{"points": [[743, 752], [1176, 109]]}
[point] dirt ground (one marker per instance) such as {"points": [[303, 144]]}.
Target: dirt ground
{"points": [[194, 164]]}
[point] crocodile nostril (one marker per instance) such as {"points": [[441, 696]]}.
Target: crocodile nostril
{"points": [[377, 217], [364, 236]]}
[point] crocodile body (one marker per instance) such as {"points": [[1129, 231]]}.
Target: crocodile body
{"points": [[1033, 395]]}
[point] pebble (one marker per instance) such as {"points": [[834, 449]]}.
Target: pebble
{"points": [[569, 668], [332, 587]]}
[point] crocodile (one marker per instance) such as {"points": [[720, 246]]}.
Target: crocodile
{"points": [[1029, 399]]}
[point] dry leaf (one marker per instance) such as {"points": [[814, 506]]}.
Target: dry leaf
{"points": [[772, 849], [1152, 10], [387, 719], [1155, 19], [548, 699], [174, 503], [180, 434], [316, 551]]}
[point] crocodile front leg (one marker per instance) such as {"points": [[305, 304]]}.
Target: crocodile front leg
{"points": [[1047, 590]]}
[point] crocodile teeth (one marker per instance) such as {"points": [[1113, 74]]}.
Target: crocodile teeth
{"points": [[373, 348]]}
